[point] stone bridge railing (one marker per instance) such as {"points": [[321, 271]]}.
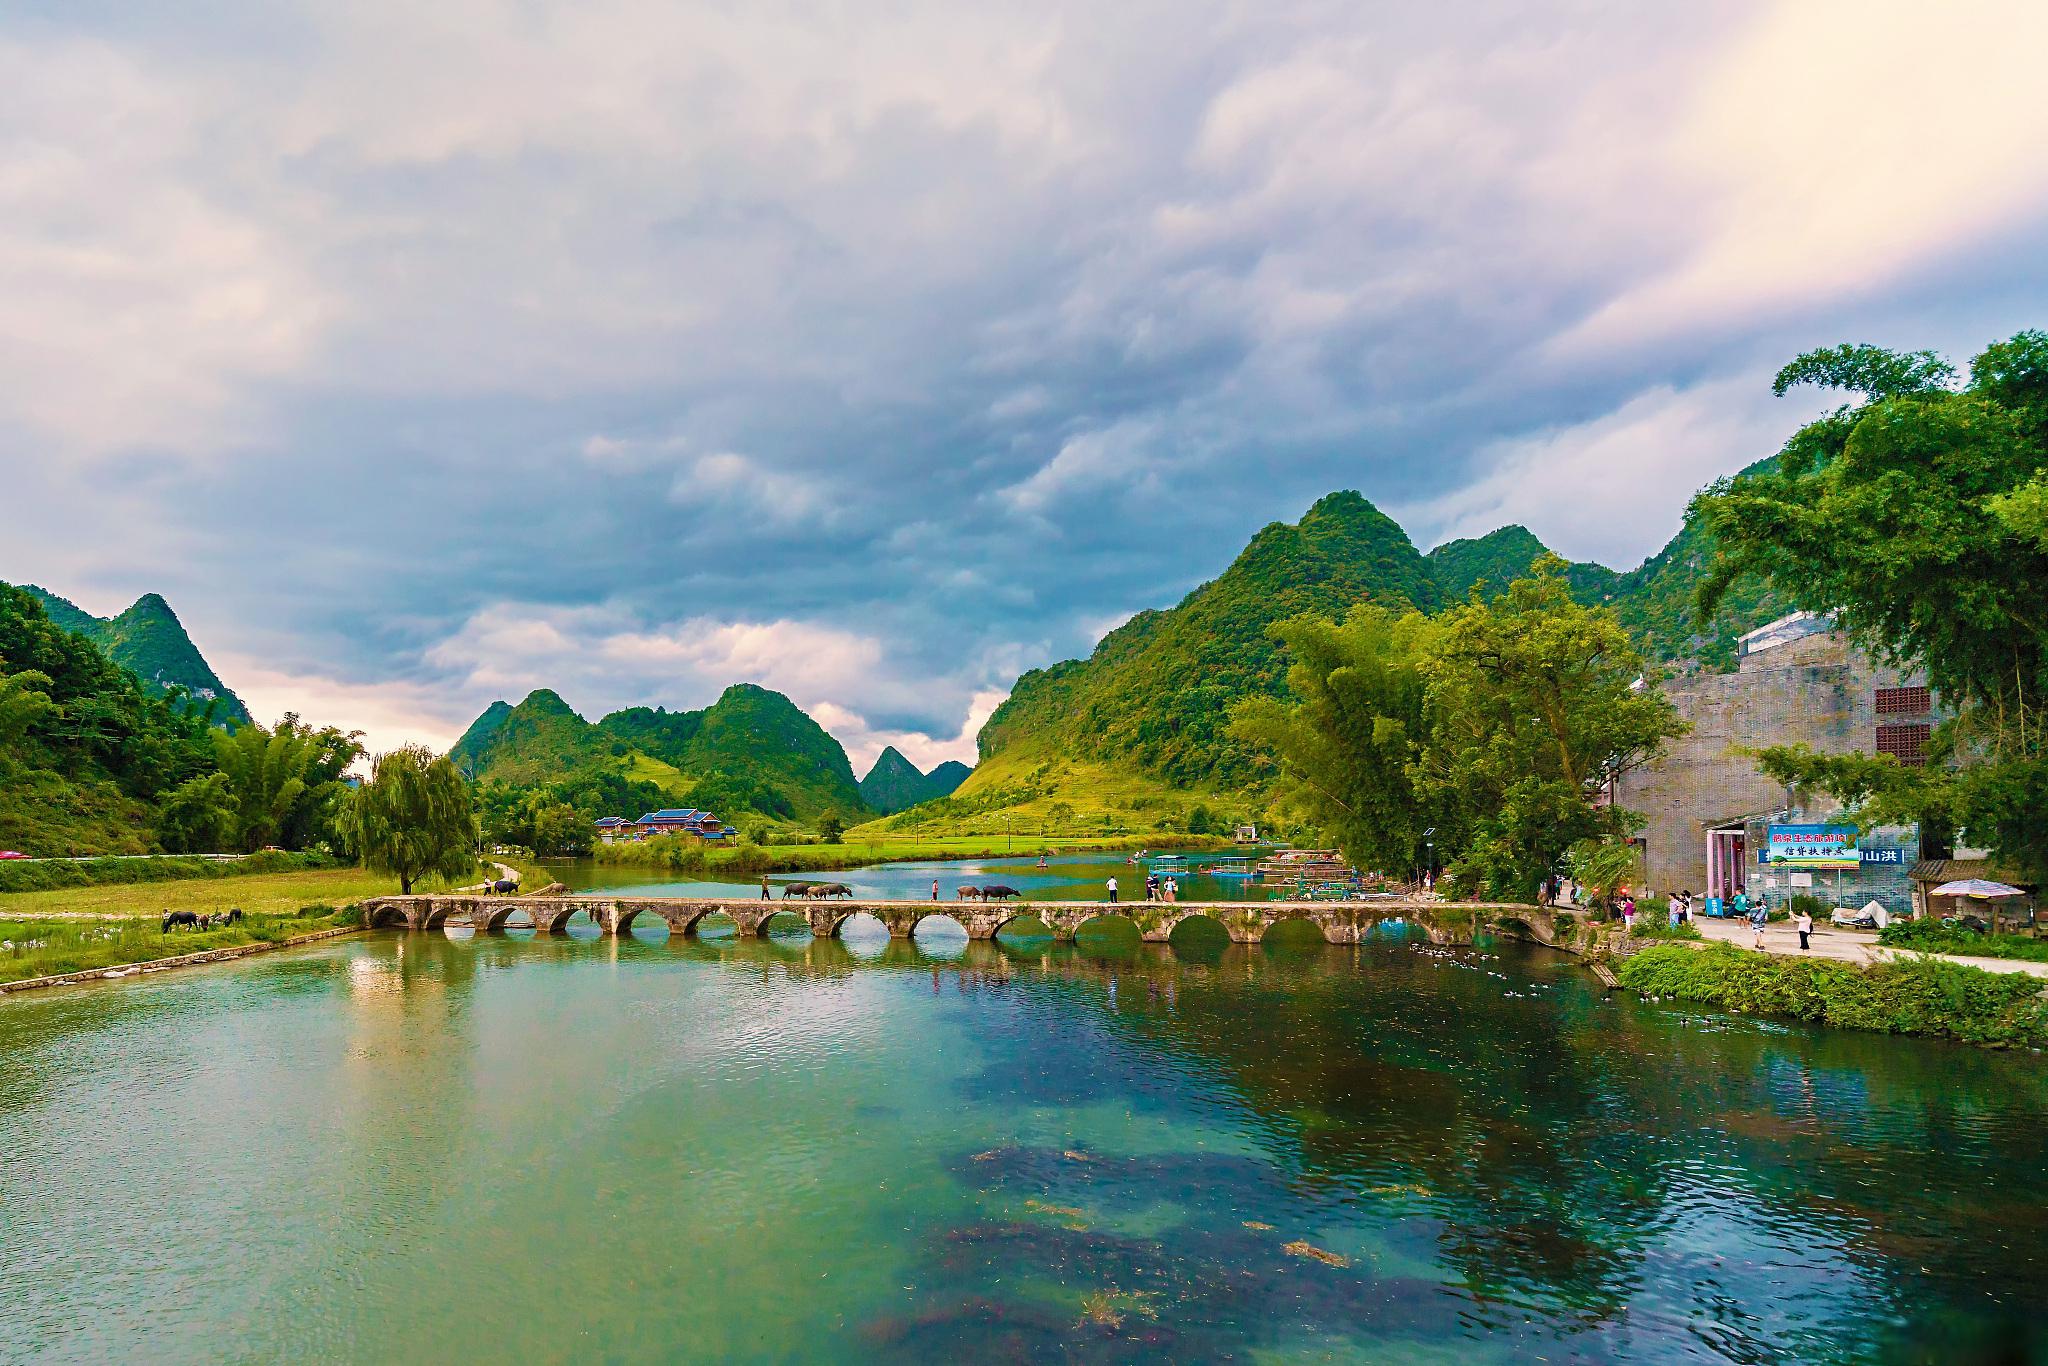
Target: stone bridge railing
{"points": [[1340, 922]]}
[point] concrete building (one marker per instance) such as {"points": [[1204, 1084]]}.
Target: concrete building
{"points": [[1711, 811]]}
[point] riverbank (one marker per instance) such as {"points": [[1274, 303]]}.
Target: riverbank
{"points": [[682, 854], [1907, 995], [254, 893], [49, 953]]}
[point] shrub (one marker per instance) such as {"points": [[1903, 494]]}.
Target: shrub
{"points": [[1931, 936], [1912, 996], [1649, 927]]}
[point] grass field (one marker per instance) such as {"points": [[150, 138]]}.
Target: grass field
{"points": [[260, 893], [1060, 800], [48, 948]]}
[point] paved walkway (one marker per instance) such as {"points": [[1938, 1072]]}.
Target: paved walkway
{"points": [[1848, 946]]}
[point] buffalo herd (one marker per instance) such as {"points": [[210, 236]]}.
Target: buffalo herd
{"points": [[816, 891], [997, 892], [190, 920]]}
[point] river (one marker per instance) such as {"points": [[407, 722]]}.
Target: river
{"points": [[435, 1148], [1062, 877]]}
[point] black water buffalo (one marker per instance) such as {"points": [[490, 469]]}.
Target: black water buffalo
{"points": [[174, 920], [822, 890], [968, 893], [790, 889], [999, 893], [507, 885]]}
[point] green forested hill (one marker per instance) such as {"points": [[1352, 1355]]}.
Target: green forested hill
{"points": [[150, 642], [895, 784], [750, 751], [1145, 713], [1502, 556], [85, 749], [1156, 693]]}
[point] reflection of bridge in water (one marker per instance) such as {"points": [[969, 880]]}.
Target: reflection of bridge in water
{"points": [[1246, 922]]}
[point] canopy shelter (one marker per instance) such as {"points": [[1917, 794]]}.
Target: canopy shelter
{"points": [[1948, 886]]}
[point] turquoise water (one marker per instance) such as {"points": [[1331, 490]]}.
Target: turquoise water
{"points": [[423, 1148]]}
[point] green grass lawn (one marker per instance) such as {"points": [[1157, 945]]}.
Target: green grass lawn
{"points": [[47, 948], [258, 893]]}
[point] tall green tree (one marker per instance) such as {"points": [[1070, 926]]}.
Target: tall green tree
{"points": [[1347, 748], [1494, 731], [413, 818], [285, 781], [1917, 517], [1535, 705], [198, 816]]}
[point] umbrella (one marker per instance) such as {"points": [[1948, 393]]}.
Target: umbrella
{"points": [[1976, 887]]}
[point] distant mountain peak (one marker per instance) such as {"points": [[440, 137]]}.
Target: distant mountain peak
{"points": [[149, 641], [895, 784]]}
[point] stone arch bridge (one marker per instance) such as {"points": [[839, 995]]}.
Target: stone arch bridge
{"points": [[1246, 922]]}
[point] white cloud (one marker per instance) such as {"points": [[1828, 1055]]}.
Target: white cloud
{"points": [[740, 486], [1833, 145], [141, 305], [388, 712], [1613, 489]]}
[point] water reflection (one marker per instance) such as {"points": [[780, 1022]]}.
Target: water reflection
{"points": [[965, 1150]]}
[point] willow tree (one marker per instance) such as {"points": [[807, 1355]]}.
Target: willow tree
{"points": [[413, 818]]}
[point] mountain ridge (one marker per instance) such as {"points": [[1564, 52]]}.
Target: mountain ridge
{"points": [[148, 640], [893, 783], [750, 751]]}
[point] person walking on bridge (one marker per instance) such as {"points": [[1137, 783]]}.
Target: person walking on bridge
{"points": [[1112, 891], [764, 889], [935, 889]]}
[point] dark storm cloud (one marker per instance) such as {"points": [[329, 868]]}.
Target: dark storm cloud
{"points": [[425, 356]]}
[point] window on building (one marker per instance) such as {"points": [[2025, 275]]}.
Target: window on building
{"points": [[1907, 742], [1904, 702]]}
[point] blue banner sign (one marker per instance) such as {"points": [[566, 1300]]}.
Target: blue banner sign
{"points": [[1811, 846]]}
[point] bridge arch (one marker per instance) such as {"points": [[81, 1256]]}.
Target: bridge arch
{"points": [[500, 917], [1109, 926], [836, 921], [935, 914], [1294, 931], [783, 919], [1196, 927], [387, 917], [1023, 918]]}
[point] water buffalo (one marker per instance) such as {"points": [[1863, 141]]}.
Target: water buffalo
{"points": [[999, 893], [968, 893], [790, 889], [174, 920], [553, 889], [507, 885], [822, 890]]}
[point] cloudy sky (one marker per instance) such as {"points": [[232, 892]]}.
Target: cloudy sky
{"points": [[425, 354]]}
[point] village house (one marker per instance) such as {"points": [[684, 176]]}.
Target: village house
{"points": [[1718, 825], [668, 821]]}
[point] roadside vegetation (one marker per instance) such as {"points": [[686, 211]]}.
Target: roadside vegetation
{"points": [[1909, 996], [38, 875], [268, 893], [1931, 936], [49, 948]]}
